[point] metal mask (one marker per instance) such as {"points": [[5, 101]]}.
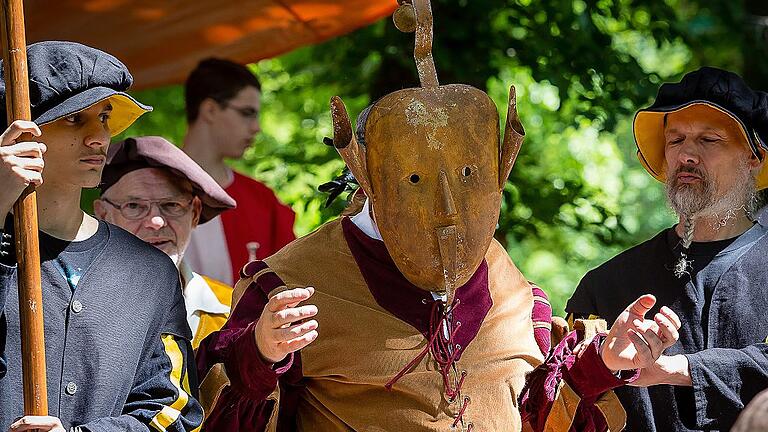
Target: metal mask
{"points": [[433, 166]]}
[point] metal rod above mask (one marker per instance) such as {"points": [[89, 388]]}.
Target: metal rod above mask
{"points": [[420, 13]]}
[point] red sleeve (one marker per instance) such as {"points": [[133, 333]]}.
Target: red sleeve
{"points": [[585, 374], [243, 405], [542, 319]]}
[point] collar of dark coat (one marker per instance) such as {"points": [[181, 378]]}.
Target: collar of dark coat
{"points": [[393, 292]]}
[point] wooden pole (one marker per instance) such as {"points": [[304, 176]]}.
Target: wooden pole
{"points": [[16, 78]]}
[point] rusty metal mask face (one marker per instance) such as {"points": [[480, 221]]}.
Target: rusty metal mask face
{"points": [[433, 166]]}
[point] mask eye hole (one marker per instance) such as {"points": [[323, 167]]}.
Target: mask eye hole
{"points": [[414, 178], [466, 171]]}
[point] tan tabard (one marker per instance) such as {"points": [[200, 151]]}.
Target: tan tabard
{"points": [[361, 346]]}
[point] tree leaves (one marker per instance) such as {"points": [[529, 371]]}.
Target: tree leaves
{"points": [[577, 194]]}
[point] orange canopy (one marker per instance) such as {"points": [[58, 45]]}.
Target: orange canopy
{"points": [[162, 40]]}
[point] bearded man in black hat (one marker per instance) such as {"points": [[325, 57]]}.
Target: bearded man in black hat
{"points": [[117, 342], [705, 138]]}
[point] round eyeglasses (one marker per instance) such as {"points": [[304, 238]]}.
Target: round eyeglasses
{"points": [[139, 209]]}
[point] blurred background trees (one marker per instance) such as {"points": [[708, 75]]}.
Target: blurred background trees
{"points": [[577, 195]]}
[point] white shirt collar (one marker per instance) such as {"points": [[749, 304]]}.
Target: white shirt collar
{"points": [[365, 222], [198, 296]]}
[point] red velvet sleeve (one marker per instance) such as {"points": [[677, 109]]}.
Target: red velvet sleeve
{"points": [[586, 375], [244, 404]]}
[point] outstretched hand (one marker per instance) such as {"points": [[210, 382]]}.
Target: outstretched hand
{"points": [[284, 326], [635, 342]]}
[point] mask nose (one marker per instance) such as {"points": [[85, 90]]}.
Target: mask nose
{"points": [[448, 206]]}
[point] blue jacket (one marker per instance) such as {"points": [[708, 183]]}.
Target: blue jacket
{"points": [[117, 346]]}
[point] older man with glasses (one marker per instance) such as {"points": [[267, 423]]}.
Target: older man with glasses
{"points": [[155, 191]]}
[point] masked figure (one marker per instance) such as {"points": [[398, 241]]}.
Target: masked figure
{"points": [[408, 315]]}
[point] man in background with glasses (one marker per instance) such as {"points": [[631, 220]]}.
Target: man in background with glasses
{"points": [[223, 102], [156, 192]]}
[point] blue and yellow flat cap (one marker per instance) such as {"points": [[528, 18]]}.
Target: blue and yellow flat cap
{"points": [[68, 77]]}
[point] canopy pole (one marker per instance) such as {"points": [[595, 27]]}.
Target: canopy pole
{"points": [[16, 78]]}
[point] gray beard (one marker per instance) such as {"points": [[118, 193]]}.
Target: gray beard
{"points": [[701, 201]]}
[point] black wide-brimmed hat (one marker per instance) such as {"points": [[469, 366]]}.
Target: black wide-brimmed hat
{"points": [[716, 89], [68, 77], [156, 152]]}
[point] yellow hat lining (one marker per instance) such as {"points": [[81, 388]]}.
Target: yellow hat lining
{"points": [[124, 113], [648, 142]]}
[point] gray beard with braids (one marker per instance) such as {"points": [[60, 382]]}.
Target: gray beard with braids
{"points": [[700, 201]]}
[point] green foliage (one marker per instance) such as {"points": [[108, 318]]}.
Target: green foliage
{"points": [[577, 195]]}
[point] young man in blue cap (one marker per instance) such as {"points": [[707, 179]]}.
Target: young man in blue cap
{"points": [[706, 139], [117, 342]]}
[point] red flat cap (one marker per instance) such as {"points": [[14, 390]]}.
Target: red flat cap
{"points": [[157, 152]]}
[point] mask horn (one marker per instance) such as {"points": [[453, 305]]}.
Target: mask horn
{"points": [[513, 139], [346, 144]]}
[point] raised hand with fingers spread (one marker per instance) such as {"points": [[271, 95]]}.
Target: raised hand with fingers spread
{"points": [[635, 342], [284, 326]]}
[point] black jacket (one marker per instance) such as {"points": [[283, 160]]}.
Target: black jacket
{"points": [[723, 333]]}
